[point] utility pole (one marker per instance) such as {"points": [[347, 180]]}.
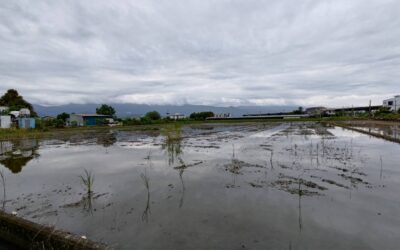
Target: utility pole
{"points": [[369, 107]]}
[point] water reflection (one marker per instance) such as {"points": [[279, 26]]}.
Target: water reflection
{"points": [[391, 130], [16, 154], [181, 171], [3, 183], [312, 173], [147, 211], [107, 140]]}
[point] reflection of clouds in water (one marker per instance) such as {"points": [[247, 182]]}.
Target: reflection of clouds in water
{"points": [[341, 132], [270, 132]]}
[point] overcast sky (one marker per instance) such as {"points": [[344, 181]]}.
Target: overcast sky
{"points": [[213, 52]]}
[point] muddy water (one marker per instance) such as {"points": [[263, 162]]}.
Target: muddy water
{"points": [[278, 186]]}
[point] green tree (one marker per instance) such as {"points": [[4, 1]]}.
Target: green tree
{"points": [[299, 111], [63, 116], [105, 109], [14, 101], [200, 116], [153, 115]]}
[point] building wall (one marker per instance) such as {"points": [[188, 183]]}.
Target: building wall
{"points": [[5, 121], [90, 120], [76, 118], [87, 120], [392, 103], [26, 123]]}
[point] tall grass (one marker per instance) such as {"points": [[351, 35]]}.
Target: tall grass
{"points": [[87, 180]]}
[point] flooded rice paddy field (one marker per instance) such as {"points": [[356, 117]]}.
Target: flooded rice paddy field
{"points": [[265, 186]]}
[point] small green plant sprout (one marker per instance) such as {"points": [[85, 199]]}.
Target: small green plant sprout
{"points": [[87, 180]]}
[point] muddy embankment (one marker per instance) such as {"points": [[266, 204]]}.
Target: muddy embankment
{"points": [[28, 235]]}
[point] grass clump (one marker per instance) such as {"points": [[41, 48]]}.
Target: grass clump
{"points": [[87, 180]]}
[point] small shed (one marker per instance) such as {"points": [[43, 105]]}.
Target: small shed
{"points": [[88, 119], [5, 121], [26, 123]]}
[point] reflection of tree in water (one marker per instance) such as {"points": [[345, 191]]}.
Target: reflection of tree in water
{"points": [[107, 140], [17, 156]]}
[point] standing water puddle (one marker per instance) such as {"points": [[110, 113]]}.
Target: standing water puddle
{"points": [[274, 186]]}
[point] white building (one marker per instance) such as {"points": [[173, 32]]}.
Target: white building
{"points": [[5, 121], [223, 115], [24, 112], [392, 103], [177, 116]]}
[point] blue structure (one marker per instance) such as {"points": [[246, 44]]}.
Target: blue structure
{"points": [[26, 123], [88, 119]]}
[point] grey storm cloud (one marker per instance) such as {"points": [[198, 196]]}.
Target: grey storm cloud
{"points": [[214, 52]]}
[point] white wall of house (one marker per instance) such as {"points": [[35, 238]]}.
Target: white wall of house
{"points": [[5, 121], [76, 118], [392, 103]]}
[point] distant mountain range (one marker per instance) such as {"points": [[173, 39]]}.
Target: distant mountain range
{"points": [[135, 110]]}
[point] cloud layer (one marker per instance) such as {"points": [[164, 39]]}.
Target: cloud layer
{"points": [[214, 52]]}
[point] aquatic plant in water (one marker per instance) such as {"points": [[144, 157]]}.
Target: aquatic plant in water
{"points": [[173, 142], [87, 180]]}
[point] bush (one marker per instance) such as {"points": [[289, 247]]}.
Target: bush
{"points": [[153, 115], [145, 120], [201, 115], [383, 111], [63, 116], [59, 123]]}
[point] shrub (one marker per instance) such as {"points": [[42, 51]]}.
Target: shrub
{"points": [[153, 115], [201, 115]]}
